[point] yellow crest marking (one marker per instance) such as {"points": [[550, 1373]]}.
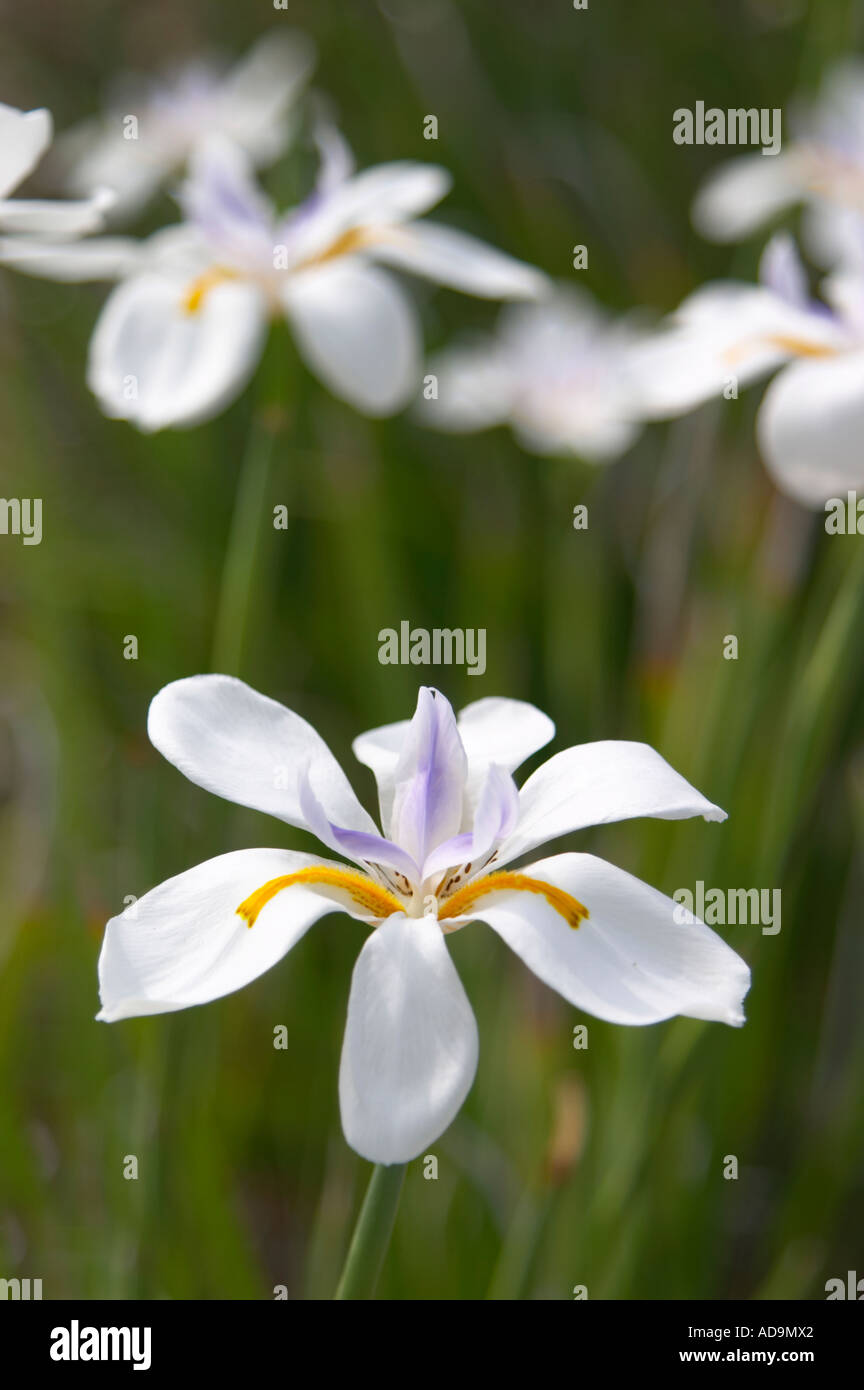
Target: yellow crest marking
{"points": [[798, 347], [354, 239], [461, 903], [198, 291], [378, 902]]}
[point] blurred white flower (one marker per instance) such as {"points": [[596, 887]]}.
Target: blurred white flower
{"points": [[452, 818], [811, 421], [24, 138], [822, 167], [559, 373], [187, 326], [153, 124]]}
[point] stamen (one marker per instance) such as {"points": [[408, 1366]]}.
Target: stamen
{"points": [[366, 894], [202, 285], [461, 903]]}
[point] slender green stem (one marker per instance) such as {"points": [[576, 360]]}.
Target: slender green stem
{"points": [[372, 1232], [240, 566], [822, 688], [271, 417]]}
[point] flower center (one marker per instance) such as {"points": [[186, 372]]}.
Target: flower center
{"points": [[380, 902], [353, 240]]}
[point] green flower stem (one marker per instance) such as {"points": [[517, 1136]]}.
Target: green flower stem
{"points": [[372, 1232], [251, 518], [822, 688], [244, 543]]}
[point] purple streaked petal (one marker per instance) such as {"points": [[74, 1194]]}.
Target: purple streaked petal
{"points": [[781, 270], [336, 167], [450, 853], [223, 200], [360, 845], [374, 849], [497, 809], [430, 778], [495, 818]]}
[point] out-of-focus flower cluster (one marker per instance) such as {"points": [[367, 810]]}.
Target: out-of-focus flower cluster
{"points": [[183, 329], [811, 419], [184, 326]]}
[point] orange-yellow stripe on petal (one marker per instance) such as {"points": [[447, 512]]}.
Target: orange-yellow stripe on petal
{"points": [[377, 901], [797, 347], [200, 287], [353, 240], [462, 902]]}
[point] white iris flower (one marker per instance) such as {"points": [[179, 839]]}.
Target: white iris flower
{"points": [[183, 331], [811, 420], [559, 373], [153, 124], [24, 139], [822, 168], [453, 822]]}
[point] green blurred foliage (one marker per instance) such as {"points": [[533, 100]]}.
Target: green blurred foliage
{"points": [[603, 1166]]}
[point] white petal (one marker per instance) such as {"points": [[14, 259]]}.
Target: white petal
{"points": [[24, 138], [596, 783], [257, 94], [55, 218], [475, 390], [501, 731], [453, 258], [156, 364], [232, 741], [724, 332], [379, 750], [357, 332], [183, 942], [410, 1049], [811, 427], [833, 234], [384, 194], [336, 163], [95, 154], [223, 201], [374, 201], [744, 193], [631, 960], [101, 258]]}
